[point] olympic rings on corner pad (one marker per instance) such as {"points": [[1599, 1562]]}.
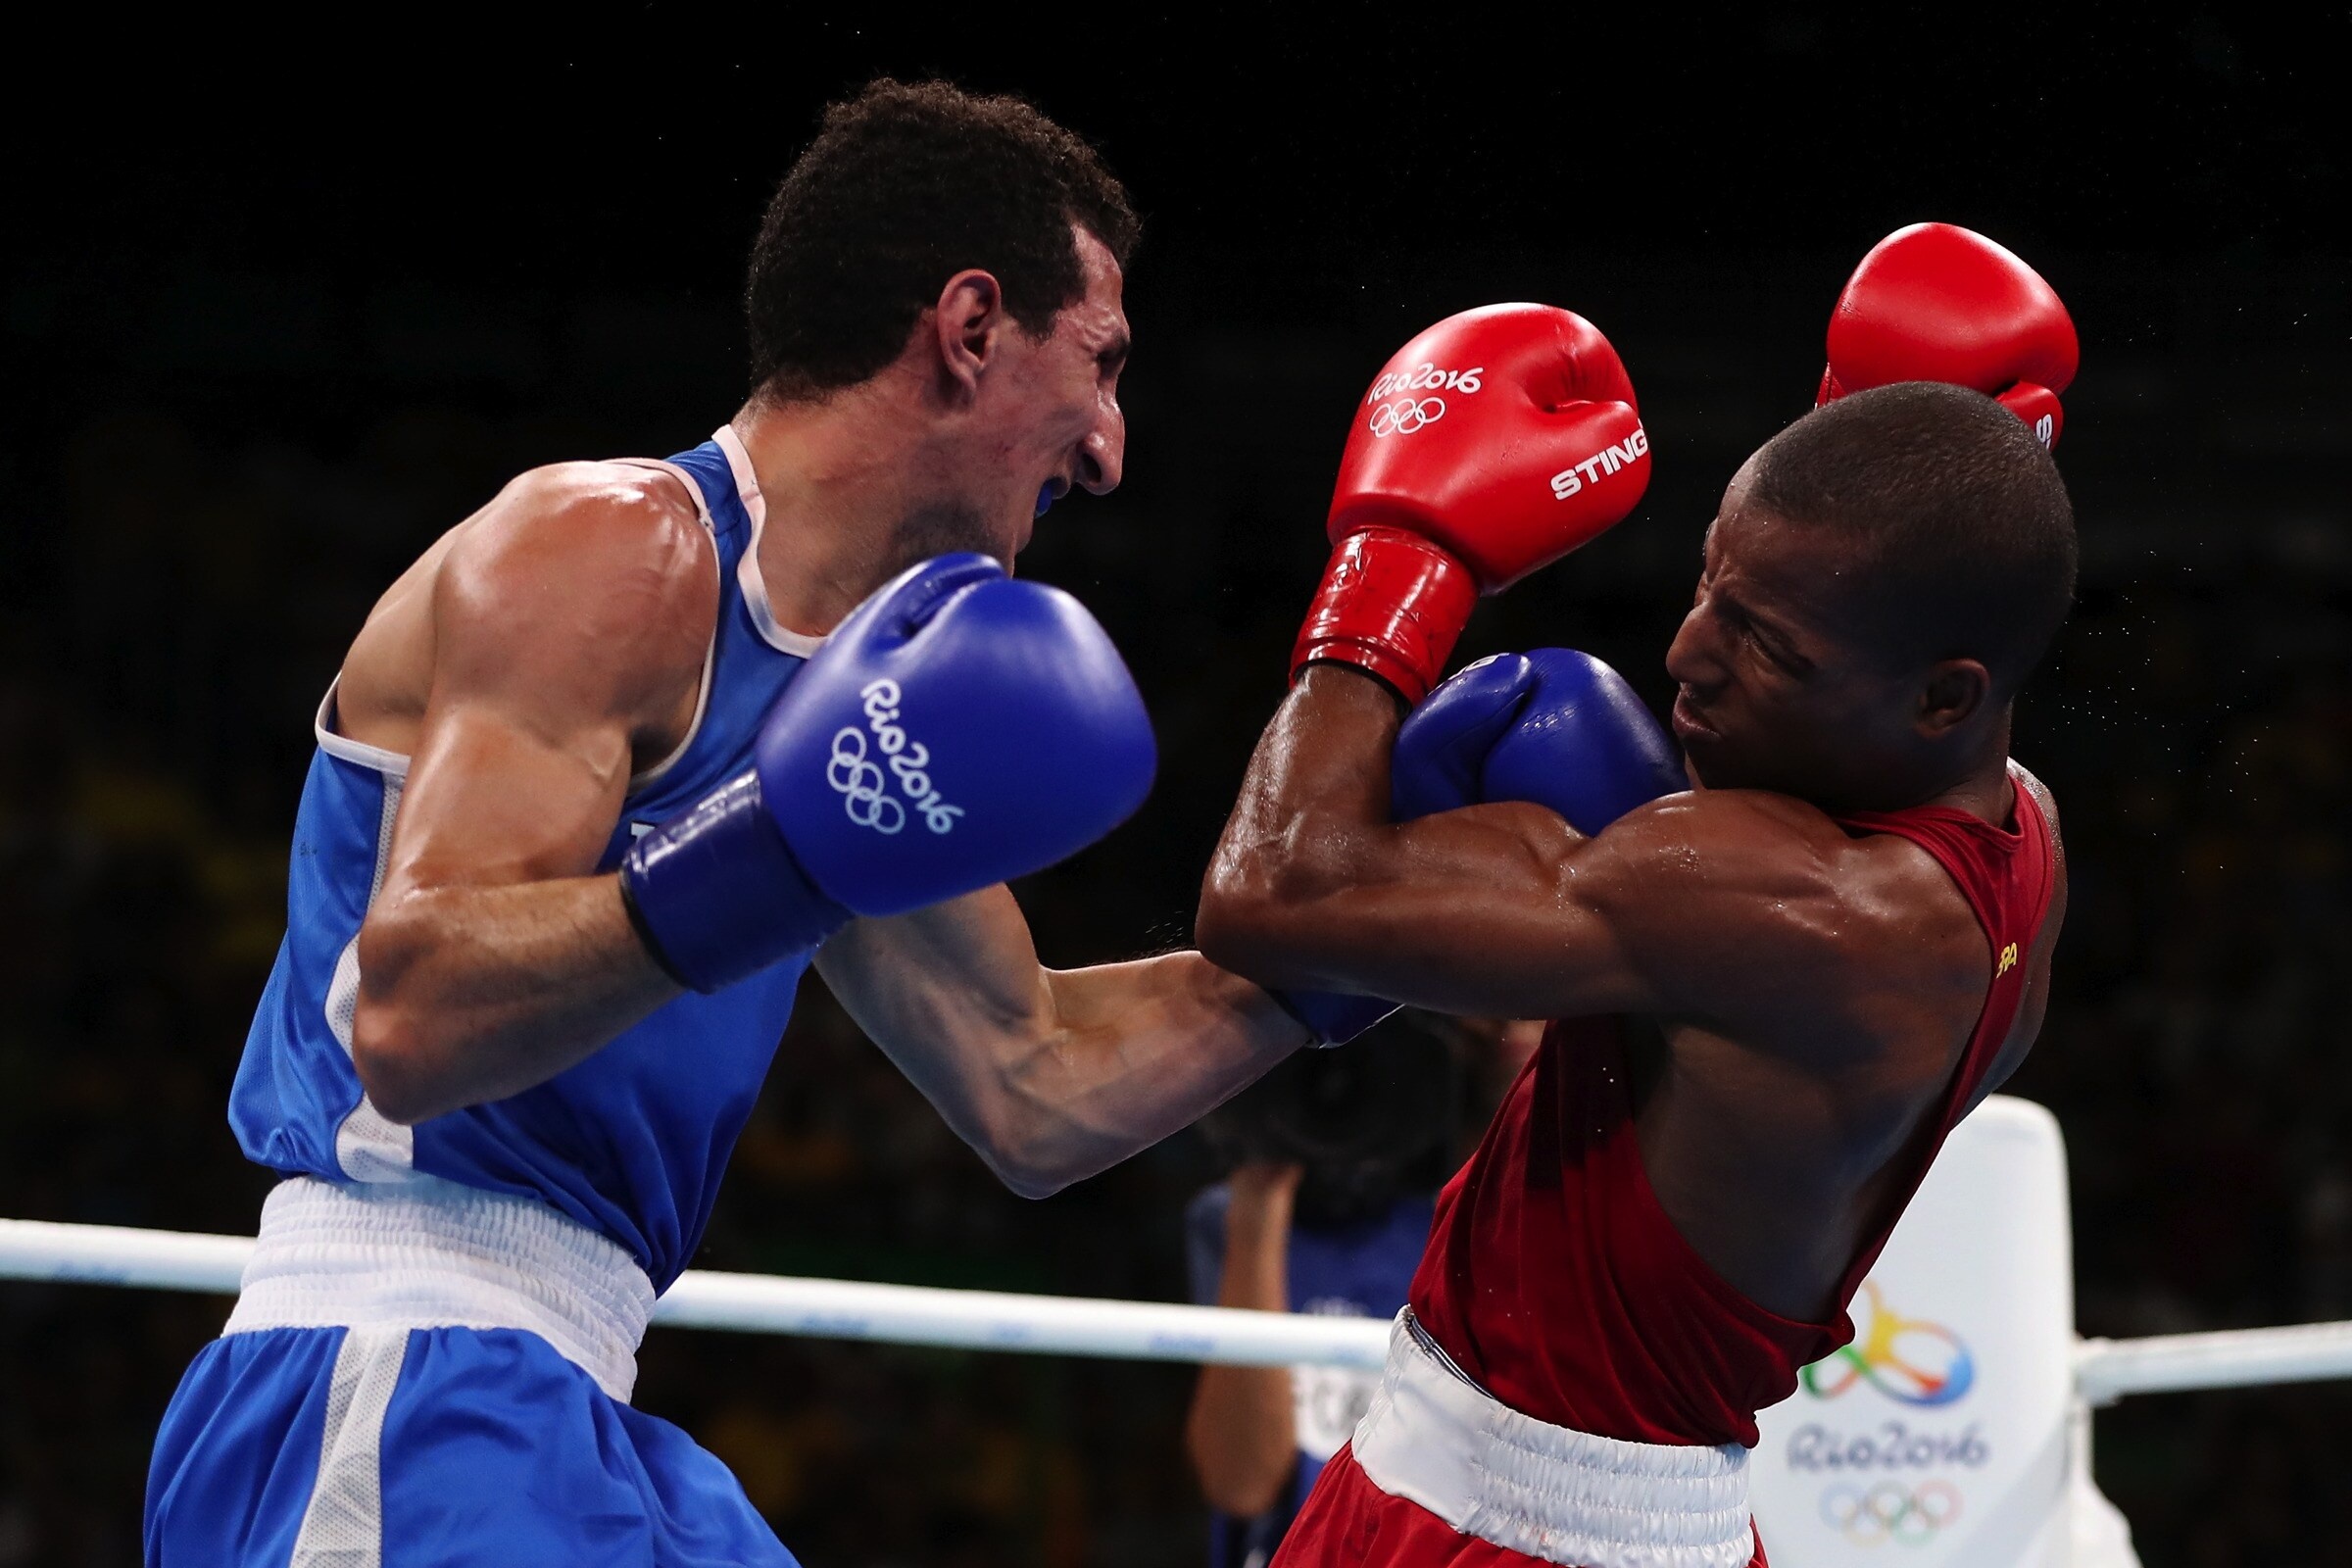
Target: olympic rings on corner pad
{"points": [[1888, 1510]]}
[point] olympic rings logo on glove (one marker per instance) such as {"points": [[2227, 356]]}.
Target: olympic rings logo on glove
{"points": [[862, 783], [1888, 1511], [1405, 416]]}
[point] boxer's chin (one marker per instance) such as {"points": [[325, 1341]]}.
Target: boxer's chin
{"points": [[948, 528], [1700, 743], [1712, 765], [1702, 773]]}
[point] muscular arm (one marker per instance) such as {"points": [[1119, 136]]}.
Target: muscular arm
{"points": [[1051, 1075], [1685, 906], [564, 623]]}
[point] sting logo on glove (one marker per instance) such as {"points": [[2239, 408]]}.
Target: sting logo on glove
{"points": [[860, 780], [1607, 460], [1456, 506]]}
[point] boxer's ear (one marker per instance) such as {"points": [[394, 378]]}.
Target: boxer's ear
{"points": [[964, 327], [1952, 692]]}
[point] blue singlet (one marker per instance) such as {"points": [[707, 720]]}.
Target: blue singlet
{"points": [[431, 1357], [631, 1142]]}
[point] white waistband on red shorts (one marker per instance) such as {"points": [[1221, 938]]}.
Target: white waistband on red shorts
{"points": [[1435, 1437], [428, 1253]]}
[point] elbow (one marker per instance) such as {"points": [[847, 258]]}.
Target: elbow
{"points": [[1228, 913], [1031, 1182], [394, 1046], [1034, 1143], [392, 1056], [1251, 918], [1026, 1167]]}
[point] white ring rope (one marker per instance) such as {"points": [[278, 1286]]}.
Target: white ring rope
{"points": [[2105, 1370], [991, 1320], [761, 1304]]}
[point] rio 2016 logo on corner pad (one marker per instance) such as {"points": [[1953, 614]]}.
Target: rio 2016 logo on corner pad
{"points": [[1909, 1359]]}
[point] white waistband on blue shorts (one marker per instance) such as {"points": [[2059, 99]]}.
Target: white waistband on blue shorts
{"points": [[428, 1253], [1435, 1437]]}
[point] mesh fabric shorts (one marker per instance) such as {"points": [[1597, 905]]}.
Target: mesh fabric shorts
{"points": [[401, 1448]]}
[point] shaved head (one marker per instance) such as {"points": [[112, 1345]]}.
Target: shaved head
{"points": [[1960, 533]]}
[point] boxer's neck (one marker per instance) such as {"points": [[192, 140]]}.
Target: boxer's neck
{"points": [[1978, 783], [1985, 792], [842, 477]]}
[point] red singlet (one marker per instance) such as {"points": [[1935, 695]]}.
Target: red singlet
{"points": [[1556, 1281]]}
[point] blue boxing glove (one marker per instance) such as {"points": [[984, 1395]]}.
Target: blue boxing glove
{"points": [[1554, 727], [958, 729]]}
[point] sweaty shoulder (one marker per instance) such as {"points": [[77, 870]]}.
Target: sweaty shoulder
{"points": [[589, 586], [1744, 908], [2042, 798]]}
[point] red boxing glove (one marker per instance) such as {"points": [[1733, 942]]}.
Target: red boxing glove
{"points": [[1939, 303], [1494, 442]]}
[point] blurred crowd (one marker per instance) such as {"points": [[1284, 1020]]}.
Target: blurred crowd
{"points": [[189, 558]]}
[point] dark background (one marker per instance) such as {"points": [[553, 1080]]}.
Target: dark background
{"points": [[275, 313]]}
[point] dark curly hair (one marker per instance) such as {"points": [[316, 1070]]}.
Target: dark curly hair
{"points": [[906, 184]]}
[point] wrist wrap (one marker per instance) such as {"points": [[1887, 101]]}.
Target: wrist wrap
{"points": [[716, 895], [1333, 1017], [1390, 602]]}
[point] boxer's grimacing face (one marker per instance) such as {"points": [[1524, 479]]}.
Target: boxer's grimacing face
{"points": [[1047, 412], [1776, 691]]}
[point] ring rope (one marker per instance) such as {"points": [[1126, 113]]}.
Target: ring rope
{"points": [[763, 1303], [2105, 1370]]}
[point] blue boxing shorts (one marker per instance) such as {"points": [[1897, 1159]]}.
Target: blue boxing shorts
{"points": [[430, 1374]]}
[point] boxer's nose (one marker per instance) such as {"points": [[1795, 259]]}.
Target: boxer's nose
{"points": [[1102, 456], [1695, 658]]}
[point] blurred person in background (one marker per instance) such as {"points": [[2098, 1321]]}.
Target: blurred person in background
{"points": [[1336, 1158]]}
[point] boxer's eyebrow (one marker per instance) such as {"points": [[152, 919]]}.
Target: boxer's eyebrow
{"points": [[1779, 647], [1776, 642]]}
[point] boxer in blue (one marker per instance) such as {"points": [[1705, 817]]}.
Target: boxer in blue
{"points": [[604, 773]]}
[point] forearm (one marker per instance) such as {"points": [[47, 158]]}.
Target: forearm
{"points": [[1240, 1436], [1242, 1429], [1049, 1076], [1322, 763], [471, 994], [1135, 1051], [1311, 824]]}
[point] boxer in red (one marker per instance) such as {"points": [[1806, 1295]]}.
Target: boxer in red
{"points": [[1776, 990]]}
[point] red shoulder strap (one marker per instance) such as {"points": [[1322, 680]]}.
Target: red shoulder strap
{"points": [[2008, 875]]}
